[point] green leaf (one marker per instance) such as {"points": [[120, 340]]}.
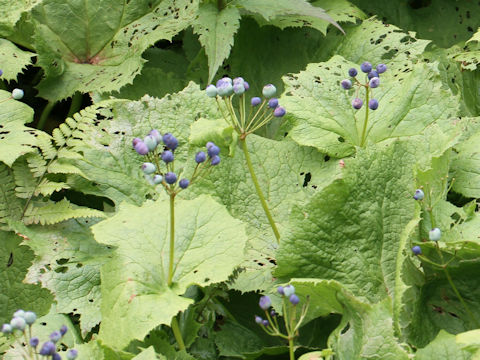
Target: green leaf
{"points": [[216, 29], [208, 247], [95, 349], [470, 341], [100, 48], [12, 11], [464, 167], [14, 60], [410, 99], [15, 260], [15, 138], [443, 347]]}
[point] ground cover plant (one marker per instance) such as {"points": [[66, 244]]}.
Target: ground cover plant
{"points": [[239, 179]]}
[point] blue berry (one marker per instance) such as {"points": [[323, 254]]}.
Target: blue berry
{"points": [[374, 82], [56, 356], [170, 141], [1, 72], [280, 290], [200, 157], [63, 330], [246, 85], [72, 354], [211, 91], [225, 89], [18, 323], [156, 135], [157, 179], [416, 250], [265, 323], [148, 168], [55, 336], [366, 67], [238, 80], [273, 313], [435, 234], [215, 160], [346, 84], [213, 150], [17, 94], [279, 111], [30, 317], [372, 74], [265, 303], [273, 103], [258, 319], [238, 89], [352, 72], [170, 178], [184, 183], [209, 144], [255, 101], [357, 103], [269, 91], [419, 194], [150, 141], [381, 68], [7, 329], [34, 342], [141, 148], [19, 313], [373, 104], [167, 156], [289, 290], [135, 141], [48, 348], [294, 299]]}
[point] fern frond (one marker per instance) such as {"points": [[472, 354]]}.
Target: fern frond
{"points": [[37, 164], [10, 205], [51, 213], [24, 180], [44, 142]]}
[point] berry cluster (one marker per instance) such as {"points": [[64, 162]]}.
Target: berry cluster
{"points": [[290, 301], [434, 234], [17, 328], [373, 81], [160, 149], [261, 112]]}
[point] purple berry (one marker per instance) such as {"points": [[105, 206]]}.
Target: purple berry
{"points": [[269, 91], [7, 329], [273, 103], [141, 148], [258, 319], [170, 178], [280, 290], [200, 157], [167, 156], [265, 323], [156, 135], [215, 160], [63, 330], [1, 72], [72, 354], [184, 183], [238, 80], [211, 91], [170, 141], [238, 89], [279, 111], [373, 104], [346, 84], [255, 101], [416, 250], [55, 336], [56, 356], [381, 68], [209, 144], [419, 194], [273, 313], [366, 67], [48, 348], [357, 103], [294, 299], [246, 85], [372, 74], [352, 72], [225, 88], [34, 342], [213, 150], [374, 82], [265, 303], [135, 142]]}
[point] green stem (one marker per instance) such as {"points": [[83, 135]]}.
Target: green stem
{"points": [[365, 122], [172, 239], [177, 334], [220, 5], [45, 113], [77, 100], [290, 348], [259, 190]]}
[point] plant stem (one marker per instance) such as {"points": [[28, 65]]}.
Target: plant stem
{"points": [[220, 5], [177, 334], [45, 113], [172, 239], [365, 122], [290, 348], [259, 190], [77, 99]]}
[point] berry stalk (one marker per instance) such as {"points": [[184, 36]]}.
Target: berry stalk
{"points": [[177, 334], [172, 239], [365, 122], [259, 190]]}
